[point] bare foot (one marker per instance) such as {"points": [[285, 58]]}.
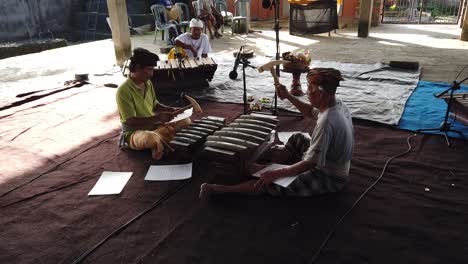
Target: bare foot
{"points": [[206, 190], [157, 155]]}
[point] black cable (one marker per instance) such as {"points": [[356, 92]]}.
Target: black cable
{"points": [[163, 198], [56, 166], [49, 191], [162, 240], [332, 231]]}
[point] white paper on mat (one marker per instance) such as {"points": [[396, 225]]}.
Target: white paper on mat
{"points": [[285, 181], [183, 115], [169, 172], [284, 136], [110, 183]]}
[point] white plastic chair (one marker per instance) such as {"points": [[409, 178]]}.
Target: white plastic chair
{"points": [[184, 15], [222, 8], [161, 23]]}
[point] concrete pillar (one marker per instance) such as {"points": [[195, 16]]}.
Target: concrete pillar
{"points": [[464, 34], [120, 31], [365, 13]]}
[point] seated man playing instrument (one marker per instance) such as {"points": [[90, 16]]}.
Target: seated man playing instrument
{"points": [[321, 163], [195, 43], [143, 118]]}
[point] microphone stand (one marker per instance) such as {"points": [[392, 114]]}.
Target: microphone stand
{"points": [[245, 63], [178, 57], [446, 126], [233, 73], [277, 29]]}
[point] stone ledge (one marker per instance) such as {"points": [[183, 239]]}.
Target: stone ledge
{"points": [[13, 49]]}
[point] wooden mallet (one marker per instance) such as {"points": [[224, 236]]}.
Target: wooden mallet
{"points": [[193, 103]]}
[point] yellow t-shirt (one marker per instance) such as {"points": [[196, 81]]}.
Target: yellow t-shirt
{"points": [[135, 102]]}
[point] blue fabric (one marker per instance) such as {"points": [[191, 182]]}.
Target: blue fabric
{"points": [[424, 110], [166, 3]]}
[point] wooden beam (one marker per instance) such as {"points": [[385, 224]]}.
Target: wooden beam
{"points": [[365, 18], [464, 33], [120, 31]]}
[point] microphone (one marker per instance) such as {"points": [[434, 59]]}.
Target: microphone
{"points": [[233, 73]]}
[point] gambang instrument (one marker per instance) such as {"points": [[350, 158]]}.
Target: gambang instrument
{"points": [[227, 150], [188, 141], [184, 70]]}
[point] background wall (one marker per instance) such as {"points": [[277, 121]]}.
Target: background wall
{"points": [[258, 12], [27, 19], [348, 17]]}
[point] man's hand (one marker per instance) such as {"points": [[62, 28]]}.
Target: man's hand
{"points": [[163, 117], [194, 51], [268, 178], [281, 91]]}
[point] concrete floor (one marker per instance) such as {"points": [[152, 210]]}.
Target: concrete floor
{"points": [[435, 47]]}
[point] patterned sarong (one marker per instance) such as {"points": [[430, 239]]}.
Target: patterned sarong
{"points": [[308, 183]]}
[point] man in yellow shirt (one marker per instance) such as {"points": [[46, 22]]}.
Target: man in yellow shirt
{"points": [[143, 118]]}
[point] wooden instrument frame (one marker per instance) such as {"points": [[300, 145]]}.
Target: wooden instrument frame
{"points": [[195, 73]]}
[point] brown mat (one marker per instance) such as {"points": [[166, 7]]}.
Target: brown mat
{"points": [[73, 135]]}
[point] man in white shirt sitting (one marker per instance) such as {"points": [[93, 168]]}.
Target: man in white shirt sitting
{"points": [[195, 43]]}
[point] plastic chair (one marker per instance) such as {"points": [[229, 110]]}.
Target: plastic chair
{"points": [[161, 23], [222, 8], [239, 24], [184, 15]]}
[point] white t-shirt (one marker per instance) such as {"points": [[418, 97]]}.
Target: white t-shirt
{"points": [[202, 44], [331, 145]]}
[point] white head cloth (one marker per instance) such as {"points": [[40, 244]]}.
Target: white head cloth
{"points": [[195, 22]]}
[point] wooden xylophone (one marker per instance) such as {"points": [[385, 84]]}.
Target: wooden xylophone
{"points": [[188, 141], [459, 106], [188, 69], [227, 151]]}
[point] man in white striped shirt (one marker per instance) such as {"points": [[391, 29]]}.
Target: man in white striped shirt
{"points": [[322, 163]]}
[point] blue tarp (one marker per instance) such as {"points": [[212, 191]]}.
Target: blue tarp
{"points": [[424, 110]]}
